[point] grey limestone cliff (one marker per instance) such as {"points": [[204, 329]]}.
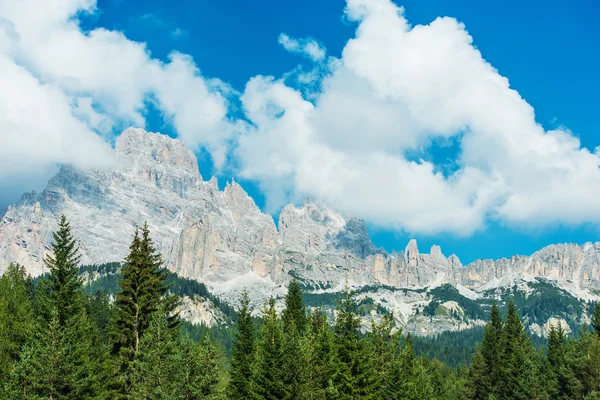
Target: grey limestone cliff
{"points": [[222, 238]]}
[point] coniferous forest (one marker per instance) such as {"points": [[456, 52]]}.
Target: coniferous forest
{"points": [[57, 341]]}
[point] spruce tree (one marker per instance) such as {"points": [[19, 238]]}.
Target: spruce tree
{"points": [[293, 369], [596, 318], [197, 370], [268, 378], [63, 263], [45, 367], [515, 375], [243, 353], [16, 314], [384, 343], [478, 384], [409, 378], [155, 367], [294, 311], [355, 375], [60, 300], [142, 294], [320, 359], [490, 351]]}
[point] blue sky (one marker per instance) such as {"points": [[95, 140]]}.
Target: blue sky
{"points": [[549, 51]]}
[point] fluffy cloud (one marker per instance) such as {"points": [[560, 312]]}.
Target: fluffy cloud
{"points": [[307, 47], [397, 89], [65, 90], [345, 133]]}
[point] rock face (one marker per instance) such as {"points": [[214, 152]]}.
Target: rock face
{"points": [[220, 237]]}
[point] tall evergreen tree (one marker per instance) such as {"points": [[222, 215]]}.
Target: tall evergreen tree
{"points": [[143, 292], [60, 300], [490, 351], [45, 368], [515, 377], [409, 379], [293, 369], [596, 318], [155, 367], [294, 311], [478, 384], [320, 359], [355, 376], [197, 370], [63, 263], [268, 378], [16, 316], [243, 354], [384, 343]]}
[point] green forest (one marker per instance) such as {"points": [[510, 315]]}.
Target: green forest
{"points": [[61, 339]]}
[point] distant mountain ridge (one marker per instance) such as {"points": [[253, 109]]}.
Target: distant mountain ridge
{"points": [[221, 238]]}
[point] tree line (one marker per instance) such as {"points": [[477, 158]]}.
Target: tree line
{"points": [[58, 343]]}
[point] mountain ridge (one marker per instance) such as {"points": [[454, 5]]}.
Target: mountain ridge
{"points": [[222, 239]]}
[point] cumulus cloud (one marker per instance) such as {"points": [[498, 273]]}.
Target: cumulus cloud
{"points": [[65, 90], [398, 88], [307, 47], [345, 133]]}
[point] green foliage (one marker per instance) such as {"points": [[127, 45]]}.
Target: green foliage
{"points": [[16, 316], [294, 313], [355, 376], [243, 354], [143, 293], [63, 263], [268, 376]]}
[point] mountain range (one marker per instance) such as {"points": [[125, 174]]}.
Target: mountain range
{"points": [[222, 239]]}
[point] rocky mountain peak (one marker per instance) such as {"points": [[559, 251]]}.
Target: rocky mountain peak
{"points": [[239, 200], [145, 152], [411, 253]]}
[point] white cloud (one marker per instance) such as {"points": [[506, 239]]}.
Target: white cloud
{"points": [[307, 47], [63, 90], [341, 133], [395, 89], [178, 33]]}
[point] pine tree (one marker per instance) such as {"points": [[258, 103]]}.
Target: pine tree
{"points": [[293, 374], [63, 263], [515, 375], [490, 351], [60, 300], [294, 311], [269, 373], [409, 378], [596, 318], [199, 367], [45, 368], [155, 367], [143, 293], [478, 386], [587, 361], [16, 314], [384, 346], [320, 359], [355, 376], [243, 354]]}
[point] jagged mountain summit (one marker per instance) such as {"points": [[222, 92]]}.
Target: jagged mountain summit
{"points": [[222, 238]]}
